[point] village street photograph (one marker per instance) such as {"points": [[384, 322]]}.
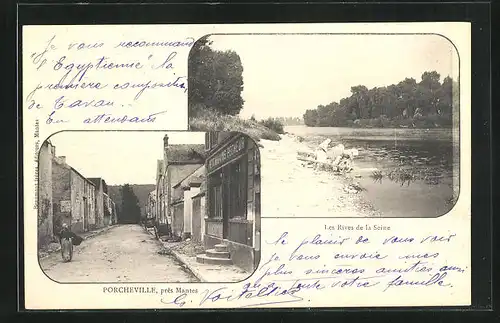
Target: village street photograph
{"points": [[348, 125], [148, 206]]}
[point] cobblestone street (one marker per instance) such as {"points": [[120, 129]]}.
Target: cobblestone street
{"points": [[125, 253]]}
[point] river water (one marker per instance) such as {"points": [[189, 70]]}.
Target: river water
{"points": [[405, 172]]}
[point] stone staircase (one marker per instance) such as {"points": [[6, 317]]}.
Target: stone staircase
{"points": [[217, 256]]}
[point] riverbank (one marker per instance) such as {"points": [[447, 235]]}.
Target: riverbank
{"points": [[292, 189], [404, 172], [213, 121]]}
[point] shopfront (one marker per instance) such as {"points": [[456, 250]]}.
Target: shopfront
{"points": [[233, 189]]}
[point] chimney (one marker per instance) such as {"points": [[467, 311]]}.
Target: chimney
{"points": [[165, 141], [53, 150], [62, 159]]}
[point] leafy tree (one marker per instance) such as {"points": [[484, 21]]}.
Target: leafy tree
{"points": [[359, 102], [130, 212], [428, 103], [215, 79], [311, 118]]}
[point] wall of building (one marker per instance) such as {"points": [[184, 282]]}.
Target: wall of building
{"points": [[82, 202], [175, 174], [111, 209], [188, 213], [176, 209], [178, 219], [45, 208], [162, 207], [61, 194], [107, 209], [160, 202], [114, 217], [92, 198], [99, 210], [198, 214], [151, 205], [177, 194]]}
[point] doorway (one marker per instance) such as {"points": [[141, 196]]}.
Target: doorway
{"points": [[85, 214]]}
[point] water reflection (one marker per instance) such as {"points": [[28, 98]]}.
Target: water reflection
{"points": [[414, 177], [408, 176], [411, 178]]}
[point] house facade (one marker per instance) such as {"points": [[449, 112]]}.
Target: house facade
{"points": [[179, 161], [233, 197], [151, 205], [160, 209], [188, 215], [73, 197], [67, 196], [101, 218], [44, 199], [109, 210]]}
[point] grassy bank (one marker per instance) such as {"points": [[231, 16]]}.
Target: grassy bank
{"points": [[213, 121]]}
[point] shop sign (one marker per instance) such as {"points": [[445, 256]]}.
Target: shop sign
{"points": [[227, 153]]}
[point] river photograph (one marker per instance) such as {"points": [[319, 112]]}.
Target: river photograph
{"points": [[347, 125], [404, 173]]}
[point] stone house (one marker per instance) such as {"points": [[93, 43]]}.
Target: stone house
{"points": [[161, 218], [188, 213], [151, 205], [44, 198], [73, 197], [109, 210], [101, 217], [179, 161]]}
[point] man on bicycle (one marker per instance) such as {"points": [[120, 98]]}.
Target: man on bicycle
{"points": [[65, 232]]}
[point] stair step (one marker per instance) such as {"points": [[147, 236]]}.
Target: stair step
{"points": [[218, 254], [220, 248], [204, 259]]}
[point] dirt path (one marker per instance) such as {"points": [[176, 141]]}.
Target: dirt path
{"points": [[125, 253]]}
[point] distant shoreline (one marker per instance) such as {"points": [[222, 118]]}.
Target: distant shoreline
{"points": [[367, 127]]}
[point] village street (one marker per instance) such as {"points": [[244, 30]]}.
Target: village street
{"points": [[125, 253]]}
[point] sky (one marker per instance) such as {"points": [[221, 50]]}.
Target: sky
{"points": [[284, 75], [119, 157]]}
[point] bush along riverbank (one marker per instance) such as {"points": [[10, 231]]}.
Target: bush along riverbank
{"points": [[211, 120], [292, 188]]}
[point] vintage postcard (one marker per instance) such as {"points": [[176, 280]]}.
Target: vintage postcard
{"points": [[246, 166]]}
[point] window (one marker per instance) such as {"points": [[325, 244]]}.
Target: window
{"points": [[256, 161], [213, 139], [238, 192], [216, 198], [215, 195], [207, 140]]}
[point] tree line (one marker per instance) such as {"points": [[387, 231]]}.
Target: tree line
{"points": [[428, 103], [290, 121], [128, 211]]}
